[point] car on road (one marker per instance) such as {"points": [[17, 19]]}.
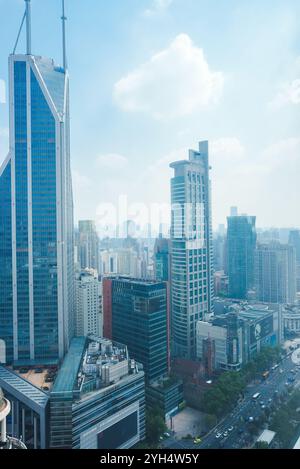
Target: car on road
{"points": [[197, 441], [250, 419], [167, 435]]}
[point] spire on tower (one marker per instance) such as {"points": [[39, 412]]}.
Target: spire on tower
{"points": [[28, 26], [64, 18]]}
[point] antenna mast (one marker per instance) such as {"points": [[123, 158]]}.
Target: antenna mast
{"points": [[28, 26], [64, 18]]}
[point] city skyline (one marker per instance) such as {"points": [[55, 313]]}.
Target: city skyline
{"points": [[249, 117]]}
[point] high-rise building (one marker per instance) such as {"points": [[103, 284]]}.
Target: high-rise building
{"points": [[294, 240], [98, 398], [138, 310], [88, 317], [275, 267], [241, 242], [88, 245], [36, 211], [191, 249]]}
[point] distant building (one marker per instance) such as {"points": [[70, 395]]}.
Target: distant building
{"points": [[241, 242], [121, 261], [275, 268], [135, 313], [88, 317], [294, 240], [88, 245], [221, 283], [291, 319], [191, 249]]}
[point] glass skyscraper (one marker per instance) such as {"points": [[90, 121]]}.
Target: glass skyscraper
{"points": [[241, 243], [36, 214], [191, 249]]}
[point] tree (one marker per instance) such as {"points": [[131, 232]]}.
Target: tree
{"points": [[155, 425], [261, 445], [210, 420]]}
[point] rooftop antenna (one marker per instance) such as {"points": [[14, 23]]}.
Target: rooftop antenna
{"points": [[28, 26], [64, 18]]}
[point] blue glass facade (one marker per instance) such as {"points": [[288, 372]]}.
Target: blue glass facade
{"points": [[6, 302], [36, 215], [44, 229], [21, 210]]}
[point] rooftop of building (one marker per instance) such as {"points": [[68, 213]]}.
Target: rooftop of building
{"points": [[67, 375], [135, 281], [92, 364], [15, 384]]}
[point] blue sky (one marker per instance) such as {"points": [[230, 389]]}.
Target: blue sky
{"points": [[150, 78]]}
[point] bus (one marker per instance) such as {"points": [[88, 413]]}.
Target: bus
{"points": [[256, 395]]}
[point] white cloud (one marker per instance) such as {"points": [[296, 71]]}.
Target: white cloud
{"points": [[175, 82], [289, 93], [158, 7], [112, 161], [2, 92]]}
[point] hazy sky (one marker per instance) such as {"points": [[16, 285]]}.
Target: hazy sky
{"points": [[150, 78]]}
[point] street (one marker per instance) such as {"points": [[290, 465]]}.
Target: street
{"points": [[235, 425]]}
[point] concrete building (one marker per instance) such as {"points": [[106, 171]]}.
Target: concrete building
{"points": [[291, 319], [121, 261], [88, 245], [98, 398], [240, 332], [275, 269], [218, 332], [191, 249], [88, 317]]}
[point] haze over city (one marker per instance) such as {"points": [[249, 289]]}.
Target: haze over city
{"points": [[228, 72]]}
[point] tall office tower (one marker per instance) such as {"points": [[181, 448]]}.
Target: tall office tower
{"points": [[294, 240], [36, 212], [137, 313], [275, 267], [241, 242], [88, 245], [191, 249], [88, 317]]}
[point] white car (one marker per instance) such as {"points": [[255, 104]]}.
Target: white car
{"points": [[230, 428], [225, 433], [218, 435]]}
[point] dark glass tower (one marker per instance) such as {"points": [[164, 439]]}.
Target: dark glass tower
{"points": [[139, 319], [241, 243], [36, 212]]}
